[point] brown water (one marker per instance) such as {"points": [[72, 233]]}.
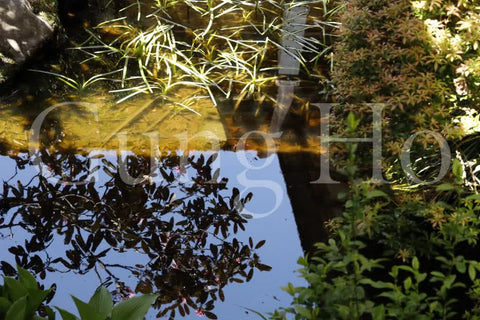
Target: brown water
{"points": [[94, 120]]}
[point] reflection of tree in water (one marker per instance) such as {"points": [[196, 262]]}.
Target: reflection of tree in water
{"points": [[184, 228]]}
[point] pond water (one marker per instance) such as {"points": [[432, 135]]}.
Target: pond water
{"points": [[210, 206], [93, 194], [61, 229]]}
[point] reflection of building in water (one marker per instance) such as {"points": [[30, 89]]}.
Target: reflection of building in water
{"points": [[299, 156]]}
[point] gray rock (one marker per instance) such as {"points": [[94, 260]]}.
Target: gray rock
{"points": [[21, 34]]}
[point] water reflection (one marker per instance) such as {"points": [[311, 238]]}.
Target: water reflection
{"points": [[180, 218]]}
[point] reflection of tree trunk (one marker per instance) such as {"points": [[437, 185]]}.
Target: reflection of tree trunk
{"points": [[313, 204]]}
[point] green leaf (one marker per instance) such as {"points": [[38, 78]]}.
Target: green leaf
{"points": [[4, 305], [352, 123], [415, 263], [15, 289], [377, 284], [394, 272], [290, 289], [343, 312], [472, 272], [377, 193], [86, 311], [407, 283], [392, 295], [66, 315], [26, 278], [457, 169], [461, 266], [420, 277], [303, 311], [302, 261], [449, 281], [379, 313], [102, 302], [445, 187], [134, 308], [473, 197], [17, 310]]}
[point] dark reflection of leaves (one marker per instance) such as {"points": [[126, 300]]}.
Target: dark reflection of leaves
{"points": [[186, 229]]}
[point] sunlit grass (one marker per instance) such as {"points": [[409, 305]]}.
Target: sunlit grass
{"points": [[82, 84], [217, 46]]}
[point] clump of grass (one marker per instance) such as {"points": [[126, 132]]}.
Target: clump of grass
{"points": [[82, 84], [216, 46]]}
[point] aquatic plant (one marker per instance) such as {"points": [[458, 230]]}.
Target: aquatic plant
{"points": [[219, 47], [79, 85]]}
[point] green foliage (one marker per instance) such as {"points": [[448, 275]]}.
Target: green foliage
{"points": [[350, 280], [394, 255], [21, 299], [100, 307], [420, 59]]}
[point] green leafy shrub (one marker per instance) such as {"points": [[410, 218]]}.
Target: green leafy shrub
{"points": [[100, 307], [22, 299], [394, 260], [420, 59], [404, 250]]}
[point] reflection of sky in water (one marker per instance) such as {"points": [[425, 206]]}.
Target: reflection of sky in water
{"points": [[281, 251]]}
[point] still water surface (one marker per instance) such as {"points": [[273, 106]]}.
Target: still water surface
{"points": [[178, 231], [90, 202], [81, 207]]}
